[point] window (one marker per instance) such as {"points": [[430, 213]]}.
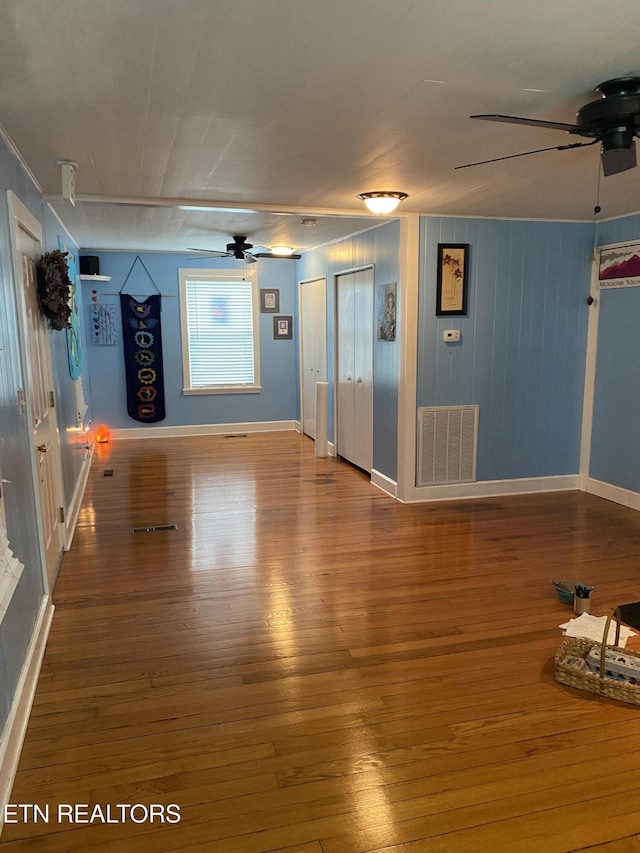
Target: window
{"points": [[220, 342]]}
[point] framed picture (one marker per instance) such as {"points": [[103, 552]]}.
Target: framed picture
{"points": [[386, 311], [620, 267], [269, 301], [453, 278], [282, 328]]}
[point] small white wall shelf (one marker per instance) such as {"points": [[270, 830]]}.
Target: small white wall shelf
{"points": [[95, 278]]}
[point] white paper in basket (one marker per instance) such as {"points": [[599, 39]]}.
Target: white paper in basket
{"points": [[592, 627]]}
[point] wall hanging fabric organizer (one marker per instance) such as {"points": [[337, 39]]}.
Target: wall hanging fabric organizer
{"points": [[613, 669], [142, 347]]}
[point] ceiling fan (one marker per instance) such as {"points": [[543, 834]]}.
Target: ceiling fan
{"points": [[241, 250], [613, 120]]}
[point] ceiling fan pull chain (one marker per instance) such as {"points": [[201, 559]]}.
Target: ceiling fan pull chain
{"points": [[597, 207]]}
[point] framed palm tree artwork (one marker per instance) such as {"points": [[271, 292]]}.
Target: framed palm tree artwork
{"points": [[453, 278]]}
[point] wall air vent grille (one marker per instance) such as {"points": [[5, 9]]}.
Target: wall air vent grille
{"points": [[447, 445]]}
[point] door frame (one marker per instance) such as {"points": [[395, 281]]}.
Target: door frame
{"points": [[336, 276], [21, 217], [302, 282]]}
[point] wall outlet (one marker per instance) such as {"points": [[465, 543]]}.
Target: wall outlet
{"points": [[450, 336]]}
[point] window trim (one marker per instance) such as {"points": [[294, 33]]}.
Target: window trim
{"points": [[186, 275]]}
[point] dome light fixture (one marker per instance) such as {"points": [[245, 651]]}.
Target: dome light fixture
{"points": [[382, 201], [284, 251]]}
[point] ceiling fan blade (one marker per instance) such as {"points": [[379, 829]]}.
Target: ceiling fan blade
{"points": [[526, 153], [208, 252], [199, 258], [534, 122], [249, 258], [617, 160], [272, 255]]}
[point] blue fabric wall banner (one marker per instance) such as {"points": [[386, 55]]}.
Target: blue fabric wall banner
{"points": [[74, 346], [142, 344]]}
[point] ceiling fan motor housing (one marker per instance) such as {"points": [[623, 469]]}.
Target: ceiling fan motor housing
{"points": [[239, 246], [615, 117]]}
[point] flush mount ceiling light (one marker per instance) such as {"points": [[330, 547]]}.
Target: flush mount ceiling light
{"points": [[285, 251], [382, 201]]}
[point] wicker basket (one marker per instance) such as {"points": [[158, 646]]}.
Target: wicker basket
{"points": [[596, 682]]}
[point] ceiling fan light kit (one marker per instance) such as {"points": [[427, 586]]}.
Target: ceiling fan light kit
{"points": [[613, 120], [382, 201]]}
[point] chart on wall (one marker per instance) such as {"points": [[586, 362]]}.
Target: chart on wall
{"points": [[142, 343], [103, 322]]}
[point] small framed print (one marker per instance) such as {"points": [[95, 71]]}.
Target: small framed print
{"points": [[282, 328], [453, 278], [386, 311], [269, 301]]}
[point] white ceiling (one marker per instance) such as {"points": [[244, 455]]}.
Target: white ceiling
{"points": [[294, 107]]}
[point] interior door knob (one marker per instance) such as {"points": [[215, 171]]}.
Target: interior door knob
{"points": [[43, 448]]}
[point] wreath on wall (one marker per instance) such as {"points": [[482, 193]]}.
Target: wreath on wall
{"points": [[54, 289]]}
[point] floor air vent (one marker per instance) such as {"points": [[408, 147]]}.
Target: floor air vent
{"points": [[447, 445], [153, 528]]}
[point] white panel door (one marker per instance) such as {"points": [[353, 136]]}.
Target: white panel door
{"points": [[354, 430], [363, 366], [346, 411], [40, 392], [313, 314]]}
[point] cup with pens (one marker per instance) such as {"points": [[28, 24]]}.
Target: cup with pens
{"points": [[582, 599]]}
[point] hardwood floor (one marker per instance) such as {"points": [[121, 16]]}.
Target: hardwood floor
{"points": [[305, 665]]}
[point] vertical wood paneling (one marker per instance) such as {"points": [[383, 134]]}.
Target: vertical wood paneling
{"points": [[15, 450], [616, 414], [614, 449], [4, 683], [523, 341], [617, 230]]}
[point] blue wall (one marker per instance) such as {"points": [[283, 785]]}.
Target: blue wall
{"points": [[379, 247], [19, 497], [522, 353], [15, 444], [616, 412], [278, 399]]}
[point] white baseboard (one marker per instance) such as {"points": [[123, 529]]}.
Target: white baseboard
{"points": [[613, 493], [202, 429], [76, 501], [384, 483], [16, 725], [331, 448], [494, 488]]}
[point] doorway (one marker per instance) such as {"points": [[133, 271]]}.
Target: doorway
{"points": [[313, 347], [354, 379]]}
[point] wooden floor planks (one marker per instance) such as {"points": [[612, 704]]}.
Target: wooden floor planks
{"points": [[307, 666]]}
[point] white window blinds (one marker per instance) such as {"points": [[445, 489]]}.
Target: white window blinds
{"points": [[219, 324]]}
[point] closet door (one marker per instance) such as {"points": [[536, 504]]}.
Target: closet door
{"points": [[354, 430], [313, 367], [363, 368], [346, 429]]}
